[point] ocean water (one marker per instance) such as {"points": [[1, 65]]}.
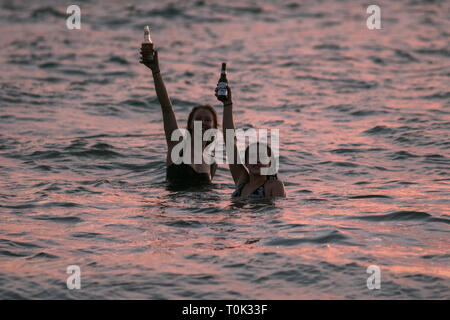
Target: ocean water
{"points": [[364, 120]]}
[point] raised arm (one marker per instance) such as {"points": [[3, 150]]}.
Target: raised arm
{"points": [[170, 122], [238, 171]]}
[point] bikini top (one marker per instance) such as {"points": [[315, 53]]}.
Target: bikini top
{"points": [[184, 174], [258, 193]]}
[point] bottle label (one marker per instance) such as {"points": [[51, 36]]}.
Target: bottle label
{"points": [[148, 50], [222, 89]]}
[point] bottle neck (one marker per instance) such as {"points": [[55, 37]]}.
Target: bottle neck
{"points": [[147, 38]]}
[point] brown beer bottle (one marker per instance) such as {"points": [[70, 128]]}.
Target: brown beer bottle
{"points": [[222, 85], [147, 45]]}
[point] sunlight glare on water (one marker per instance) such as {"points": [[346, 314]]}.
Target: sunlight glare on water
{"points": [[364, 120]]}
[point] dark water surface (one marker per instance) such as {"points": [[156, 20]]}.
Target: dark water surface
{"points": [[364, 120]]}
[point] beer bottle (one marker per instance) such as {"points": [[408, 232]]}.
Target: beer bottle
{"points": [[222, 85], [147, 45]]}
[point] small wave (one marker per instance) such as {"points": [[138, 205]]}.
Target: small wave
{"points": [[119, 74], [12, 100], [88, 235], [346, 150], [403, 139], [332, 237], [18, 244], [135, 103], [368, 196], [170, 11], [49, 65], [357, 84], [341, 107], [60, 204], [44, 168], [51, 79], [100, 152], [315, 200], [407, 182], [102, 81], [442, 52], [436, 158], [327, 47], [102, 146], [379, 130], [434, 257], [139, 167], [96, 182], [47, 11], [118, 60], [69, 219], [96, 153], [362, 113], [114, 22], [254, 9], [397, 216], [184, 224], [342, 83], [75, 144], [95, 235], [316, 15], [43, 255], [402, 155], [340, 164], [424, 278], [292, 5], [405, 55], [19, 206], [377, 60], [74, 72], [438, 95], [12, 254], [442, 220]]}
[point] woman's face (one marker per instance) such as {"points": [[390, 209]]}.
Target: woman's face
{"points": [[252, 166], [205, 116]]}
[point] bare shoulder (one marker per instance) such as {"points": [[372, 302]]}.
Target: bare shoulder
{"points": [[275, 183], [275, 188]]}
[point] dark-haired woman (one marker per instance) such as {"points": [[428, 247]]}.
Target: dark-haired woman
{"points": [[248, 178], [183, 173]]}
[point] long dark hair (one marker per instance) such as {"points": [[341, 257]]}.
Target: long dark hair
{"points": [[201, 106]]}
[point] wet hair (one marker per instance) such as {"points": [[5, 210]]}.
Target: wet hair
{"points": [[258, 144], [201, 106]]}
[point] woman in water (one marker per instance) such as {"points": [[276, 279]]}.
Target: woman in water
{"points": [[192, 174], [248, 179]]}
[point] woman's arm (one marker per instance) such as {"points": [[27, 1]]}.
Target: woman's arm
{"points": [[170, 122], [237, 170]]}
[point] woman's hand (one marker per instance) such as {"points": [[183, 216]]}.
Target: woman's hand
{"points": [[152, 64], [228, 100]]}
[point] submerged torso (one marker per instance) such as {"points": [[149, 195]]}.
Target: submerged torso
{"points": [[184, 174]]}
